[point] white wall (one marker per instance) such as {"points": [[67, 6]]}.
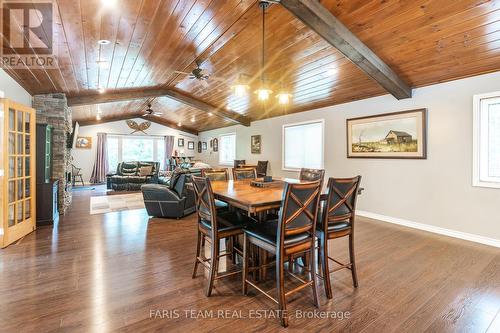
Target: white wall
{"points": [[13, 90], [84, 158], [436, 191]]}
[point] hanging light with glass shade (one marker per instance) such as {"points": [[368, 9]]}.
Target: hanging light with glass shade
{"points": [[240, 87], [283, 96], [263, 93]]}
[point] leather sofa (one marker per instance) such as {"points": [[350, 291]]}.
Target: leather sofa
{"points": [[130, 176], [171, 201]]}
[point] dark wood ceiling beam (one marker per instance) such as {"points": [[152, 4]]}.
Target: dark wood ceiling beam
{"points": [[320, 20], [201, 105], [176, 95], [152, 119]]}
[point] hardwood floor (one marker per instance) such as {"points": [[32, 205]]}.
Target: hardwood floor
{"points": [[100, 273]]}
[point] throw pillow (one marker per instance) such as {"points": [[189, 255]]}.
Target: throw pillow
{"points": [[145, 170]]}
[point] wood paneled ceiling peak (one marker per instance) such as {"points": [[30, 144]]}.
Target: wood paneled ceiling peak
{"points": [[422, 41]]}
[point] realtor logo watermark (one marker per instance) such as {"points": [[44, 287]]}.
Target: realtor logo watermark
{"points": [[27, 29]]}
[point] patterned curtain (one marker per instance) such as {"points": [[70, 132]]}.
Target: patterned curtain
{"points": [[100, 169], [169, 147]]}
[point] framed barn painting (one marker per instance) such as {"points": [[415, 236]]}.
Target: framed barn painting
{"points": [[390, 135]]}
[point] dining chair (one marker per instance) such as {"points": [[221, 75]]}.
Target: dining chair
{"points": [[215, 174], [237, 163], [244, 173], [262, 168], [214, 226], [76, 175], [335, 221], [293, 232], [312, 174]]}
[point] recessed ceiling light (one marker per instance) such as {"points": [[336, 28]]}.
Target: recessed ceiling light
{"points": [[103, 42], [179, 124], [102, 90], [210, 114], [193, 119], [228, 108]]}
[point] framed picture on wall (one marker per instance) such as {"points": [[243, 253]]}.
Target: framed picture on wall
{"points": [[83, 142], [180, 142], [190, 145], [390, 135], [255, 144], [204, 145], [215, 144]]}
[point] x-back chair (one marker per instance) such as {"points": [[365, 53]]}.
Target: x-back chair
{"points": [[337, 220], [293, 232]]}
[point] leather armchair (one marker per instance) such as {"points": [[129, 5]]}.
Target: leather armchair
{"points": [[173, 201]]}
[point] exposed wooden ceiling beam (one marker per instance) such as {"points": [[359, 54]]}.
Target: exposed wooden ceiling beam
{"points": [[158, 92], [153, 119], [165, 122], [201, 105], [320, 20]]}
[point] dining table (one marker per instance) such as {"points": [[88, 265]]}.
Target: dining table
{"points": [[254, 200]]}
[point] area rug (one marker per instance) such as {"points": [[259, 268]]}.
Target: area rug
{"points": [[114, 203]]}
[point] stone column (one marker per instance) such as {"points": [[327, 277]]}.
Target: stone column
{"points": [[52, 109]]}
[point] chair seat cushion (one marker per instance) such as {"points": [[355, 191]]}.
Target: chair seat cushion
{"points": [[334, 227], [268, 231], [220, 205], [228, 221]]}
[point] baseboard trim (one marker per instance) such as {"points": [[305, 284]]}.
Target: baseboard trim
{"points": [[431, 228]]}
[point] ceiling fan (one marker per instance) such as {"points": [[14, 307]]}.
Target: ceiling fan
{"points": [[151, 112], [200, 75]]}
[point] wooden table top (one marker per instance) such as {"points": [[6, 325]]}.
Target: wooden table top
{"points": [[252, 199]]}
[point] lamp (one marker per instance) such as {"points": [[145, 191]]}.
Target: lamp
{"points": [[240, 87], [283, 97], [263, 93]]}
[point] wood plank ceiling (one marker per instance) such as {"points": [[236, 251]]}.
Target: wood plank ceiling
{"points": [[423, 41]]}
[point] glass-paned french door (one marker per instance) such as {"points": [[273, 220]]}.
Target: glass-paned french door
{"points": [[17, 179]]}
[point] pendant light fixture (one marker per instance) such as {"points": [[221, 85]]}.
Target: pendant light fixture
{"points": [[263, 93], [240, 87]]}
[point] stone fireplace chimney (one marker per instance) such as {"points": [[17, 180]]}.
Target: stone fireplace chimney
{"points": [[52, 109]]}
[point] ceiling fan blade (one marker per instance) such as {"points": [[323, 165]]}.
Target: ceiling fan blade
{"points": [[145, 115], [179, 72]]}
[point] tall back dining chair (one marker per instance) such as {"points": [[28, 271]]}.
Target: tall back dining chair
{"points": [[312, 174], [293, 232], [237, 163], [244, 173], [337, 220], [262, 168], [215, 174], [214, 226]]}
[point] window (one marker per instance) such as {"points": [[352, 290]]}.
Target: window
{"points": [[486, 140], [303, 145], [227, 149], [134, 148]]}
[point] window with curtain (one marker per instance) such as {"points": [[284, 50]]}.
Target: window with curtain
{"points": [[302, 145], [135, 148], [487, 140], [227, 149]]}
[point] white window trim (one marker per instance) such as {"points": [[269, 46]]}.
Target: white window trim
{"points": [[227, 163], [476, 140], [322, 121], [153, 138]]}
